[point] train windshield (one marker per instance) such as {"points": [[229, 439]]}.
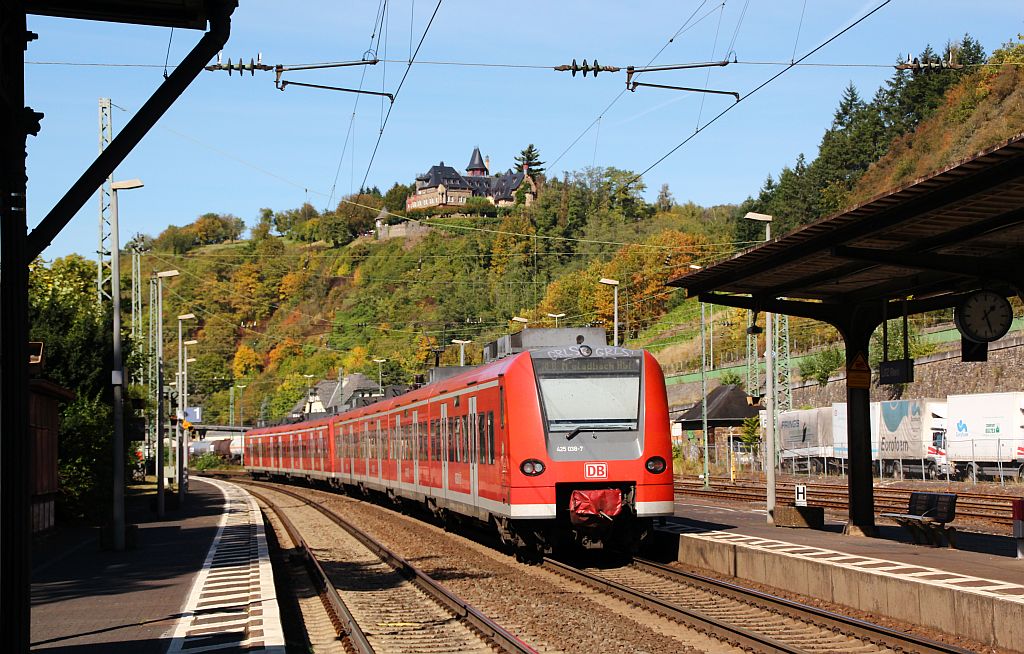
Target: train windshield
{"points": [[589, 393]]}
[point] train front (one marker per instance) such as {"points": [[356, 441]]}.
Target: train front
{"points": [[606, 431]]}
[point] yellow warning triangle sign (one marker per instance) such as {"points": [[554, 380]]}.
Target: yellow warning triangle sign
{"points": [[859, 363]]}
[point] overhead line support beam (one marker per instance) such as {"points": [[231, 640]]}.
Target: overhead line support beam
{"points": [[136, 128]]}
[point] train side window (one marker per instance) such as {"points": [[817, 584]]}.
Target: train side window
{"points": [[490, 437], [464, 420], [481, 433], [501, 404]]}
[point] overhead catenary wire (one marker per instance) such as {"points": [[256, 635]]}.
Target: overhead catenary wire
{"points": [[760, 86], [401, 83]]}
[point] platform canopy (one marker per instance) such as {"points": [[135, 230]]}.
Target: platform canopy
{"points": [[727, 405], [192, 14], [928, 242], [921, 247]]}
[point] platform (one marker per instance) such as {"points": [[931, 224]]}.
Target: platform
{"points": [[198, 581], [976, 591]]}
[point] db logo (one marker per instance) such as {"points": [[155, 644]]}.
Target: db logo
{"points": [[595, 471]]}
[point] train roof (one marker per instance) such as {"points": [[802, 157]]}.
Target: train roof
{"points": [[472, 376]]}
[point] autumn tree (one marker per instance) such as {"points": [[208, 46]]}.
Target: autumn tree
{"points": [[246, 361]]}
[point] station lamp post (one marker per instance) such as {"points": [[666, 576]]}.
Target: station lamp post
{"points": [[769, 386], [614, 283], [179, 439], [117, 375], [160, 418], [380, 374], [556, 316], [188, 360], [309, 393], [462, 349], [241, 419]]}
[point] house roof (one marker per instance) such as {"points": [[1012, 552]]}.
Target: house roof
{"points": [[442, 174], [476, 162], [728, 406]]}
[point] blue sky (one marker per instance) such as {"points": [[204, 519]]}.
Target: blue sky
{"points": [[235, 145]]}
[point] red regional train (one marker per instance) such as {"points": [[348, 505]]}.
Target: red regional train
{"points": [[553, 447]]}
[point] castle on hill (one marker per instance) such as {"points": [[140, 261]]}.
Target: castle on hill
{"points": [[443, 186]]}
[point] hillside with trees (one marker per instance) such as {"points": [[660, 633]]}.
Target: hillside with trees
{"points": [[314, 293]]}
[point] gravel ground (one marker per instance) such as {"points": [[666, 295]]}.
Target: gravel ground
{"points": [[547, 611]]}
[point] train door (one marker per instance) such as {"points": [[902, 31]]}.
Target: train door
{"points": [[382, 437], [396, 467], [414, 429], [444, 449], [471, 425]]}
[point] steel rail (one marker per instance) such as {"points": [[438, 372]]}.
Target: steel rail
{"points": [[737, 636], [994, 508], [343, 620], [461, 609], [848, 625]]}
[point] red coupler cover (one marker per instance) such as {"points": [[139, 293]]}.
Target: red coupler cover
{"points": [[596, 503]]}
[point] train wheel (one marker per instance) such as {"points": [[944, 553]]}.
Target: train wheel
{"points": [[932, 471], [816, 467]]}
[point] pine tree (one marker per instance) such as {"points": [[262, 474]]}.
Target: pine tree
{"points": [[530, 158], [665, 200]]}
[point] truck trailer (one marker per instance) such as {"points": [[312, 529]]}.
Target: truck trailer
{"points": [[986, 435], [912, 439]]}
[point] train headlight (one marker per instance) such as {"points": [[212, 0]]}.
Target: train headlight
{"points": [[532, 467], [656, 465]]}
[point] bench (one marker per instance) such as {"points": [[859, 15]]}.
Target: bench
{"points": [[926, 518]]}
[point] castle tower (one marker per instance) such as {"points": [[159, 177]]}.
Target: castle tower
{"points": [[476, 167]]}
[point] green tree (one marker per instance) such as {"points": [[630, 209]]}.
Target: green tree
{"points": [[394, 199], [820, 365], [665, 201], [530, 159]]}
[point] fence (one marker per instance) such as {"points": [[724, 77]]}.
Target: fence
{"points": [[936, 458]]}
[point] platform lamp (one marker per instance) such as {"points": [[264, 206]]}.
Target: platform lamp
{"points": [[380, 374], [117, 374], [556, 316], [241, 417], [160, 478], [769, 386], [614, 283], [188, 360], [178, 432], [462, 349]]}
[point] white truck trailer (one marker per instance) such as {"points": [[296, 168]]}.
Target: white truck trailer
{"points": [[805, 439], [912, 439], [986, 435]]}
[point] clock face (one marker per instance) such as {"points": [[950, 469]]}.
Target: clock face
{"points": [[983, 316]]}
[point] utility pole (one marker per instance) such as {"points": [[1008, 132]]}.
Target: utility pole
{"points": [[136, 303], [151, 367], [783, 376], [103, 274], [753, 359]]}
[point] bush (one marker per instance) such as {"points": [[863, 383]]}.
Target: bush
{"points": [[207, 461]]}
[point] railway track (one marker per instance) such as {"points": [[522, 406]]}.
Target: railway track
{"points": [[378, 600], [744, 617], [994, 509]]}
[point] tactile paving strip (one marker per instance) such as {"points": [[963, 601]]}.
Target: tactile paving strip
{"points": [[232, 605]]}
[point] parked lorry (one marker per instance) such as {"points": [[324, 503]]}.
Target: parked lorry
{"points": [[986, 435], [912, 439], [816, 440]]}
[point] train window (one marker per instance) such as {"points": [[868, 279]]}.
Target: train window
{"points": [[481, 440], [490, 437], [501, 404], [589, 393], [464, 421]]}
